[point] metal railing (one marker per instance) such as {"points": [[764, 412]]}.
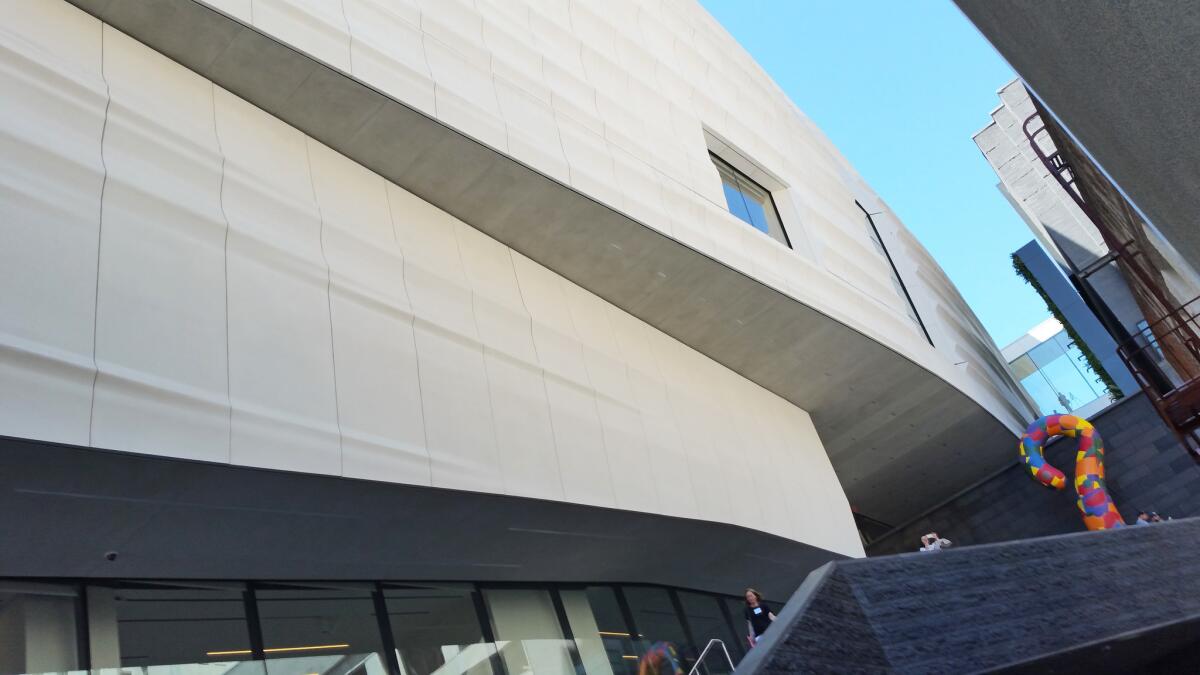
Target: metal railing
{"points": [[700, 659], [1171, 341]]}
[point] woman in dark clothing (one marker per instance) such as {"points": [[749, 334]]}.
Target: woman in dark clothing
{"points": [[758, 616]]}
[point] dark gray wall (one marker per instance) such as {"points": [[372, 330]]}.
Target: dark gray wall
{"points": [[63, 507], [1146, 469]]}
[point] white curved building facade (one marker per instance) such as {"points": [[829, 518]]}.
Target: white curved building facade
{"points": [[483, 249]]}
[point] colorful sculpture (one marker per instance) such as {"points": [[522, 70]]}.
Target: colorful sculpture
{"points": [[1099, 512], [660, 659]]}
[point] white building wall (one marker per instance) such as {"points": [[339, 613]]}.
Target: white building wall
{"points": [[186, 275], [614, 98], [1054, 218]]}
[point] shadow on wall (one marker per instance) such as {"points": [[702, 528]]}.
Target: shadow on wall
{"points": [[1147, 469]]}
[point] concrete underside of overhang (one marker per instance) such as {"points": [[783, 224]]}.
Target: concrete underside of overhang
{"points": [[1122, 77], [900, 438]]}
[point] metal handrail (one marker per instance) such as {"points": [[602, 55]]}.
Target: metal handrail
{"points": [[704, 653]]}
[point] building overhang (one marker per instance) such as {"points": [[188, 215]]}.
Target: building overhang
{"points": [[900, 437], [1121, 77]]}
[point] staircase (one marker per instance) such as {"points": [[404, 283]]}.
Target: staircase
{"points": [[1125, 600]]}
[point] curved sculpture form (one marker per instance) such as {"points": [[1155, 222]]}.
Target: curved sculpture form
{"points": [[1099, 511], [660, 659]]}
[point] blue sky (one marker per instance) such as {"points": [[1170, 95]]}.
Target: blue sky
{"points": [[900, 87]]}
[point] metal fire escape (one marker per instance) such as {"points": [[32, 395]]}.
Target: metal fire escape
{"points": [[1171, 333]]}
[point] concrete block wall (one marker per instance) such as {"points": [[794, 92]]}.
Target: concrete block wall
{"points": [[1146, 469]]}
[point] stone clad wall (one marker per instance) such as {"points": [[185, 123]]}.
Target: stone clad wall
{"points": [[1071, 603], [1146, 467]]}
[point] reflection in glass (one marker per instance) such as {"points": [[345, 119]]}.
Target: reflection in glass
{"points": [[436, 629], [656, 619], [749, 201], [527, 630], [707, 622], [320, 629], [1056, 377], [37, 628], [735, 199], [605, 643], [333, 664], [737, 611], [155, 624]]}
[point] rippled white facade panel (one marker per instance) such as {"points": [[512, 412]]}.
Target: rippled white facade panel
{"points": [[160, 305], [614, 98], [281, 376], [374, 346], [456, 398], [264, 301], [52, 109]]}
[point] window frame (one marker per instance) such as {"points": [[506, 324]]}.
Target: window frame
{"points": [[739, 177], [377, 591], [895, 272]]}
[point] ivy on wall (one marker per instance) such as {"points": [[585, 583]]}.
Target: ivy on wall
{"points": [[1093, 362]]}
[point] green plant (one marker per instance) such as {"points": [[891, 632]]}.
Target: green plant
{"points": [[1093, 363]]}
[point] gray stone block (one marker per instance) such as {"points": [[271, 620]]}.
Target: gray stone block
{"points": [[979, 608]]}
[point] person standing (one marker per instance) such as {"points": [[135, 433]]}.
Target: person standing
{"points": [[758, 616], [932, 542]]}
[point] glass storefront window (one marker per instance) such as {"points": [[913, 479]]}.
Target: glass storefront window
{"points": [[320, 629], [158, 624], [656, 620], [737, 611], [436, 630], [1056, 377], [606, 645], [528, 633], [707, 622], [37, 628], [342, 628]]}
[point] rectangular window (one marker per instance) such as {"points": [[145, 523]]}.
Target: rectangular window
{"points": [[344, 628], [897, 282], [38, 632], [707, 621], [606, 644], [326, 625], [167, 624], [750, 201], [437, 630], [529, 633]]}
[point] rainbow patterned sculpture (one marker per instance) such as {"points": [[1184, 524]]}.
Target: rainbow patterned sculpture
{"points": [[1099, 512]]}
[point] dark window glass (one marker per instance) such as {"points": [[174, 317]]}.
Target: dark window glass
{"points": [[737, 611], [606, 644], [750, 201], [707, 622], [656, 618], [333, 628], [436, 629], [167, 624], [37, 628]]}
